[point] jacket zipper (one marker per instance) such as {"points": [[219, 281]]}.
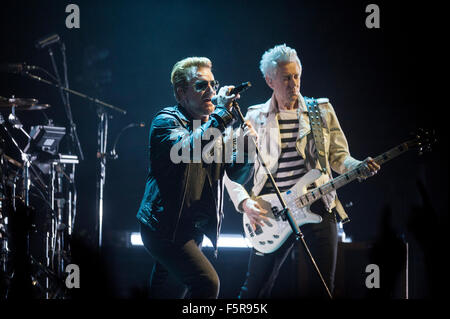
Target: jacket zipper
{"points": [[182, 204]]}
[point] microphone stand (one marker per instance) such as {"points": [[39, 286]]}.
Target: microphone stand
{"points": [[113, 153], [295, 228], [73, 128], [102, 155], [102, 139], [65, 97], [84, 96]]}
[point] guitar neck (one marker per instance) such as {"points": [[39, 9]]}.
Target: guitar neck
{"points": [[342, 180], [392, 153]]}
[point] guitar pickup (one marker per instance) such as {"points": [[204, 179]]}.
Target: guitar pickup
{"points": [[258, 230], [268, 223], [278, 213], [250, 230]]}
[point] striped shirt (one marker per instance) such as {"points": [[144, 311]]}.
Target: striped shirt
{"points": [[291, 166]]}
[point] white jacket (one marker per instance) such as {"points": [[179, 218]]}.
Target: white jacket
{"points": [[263, 117]]}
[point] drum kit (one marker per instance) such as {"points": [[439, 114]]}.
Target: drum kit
{"points": [[37, 205], [37, 184]]}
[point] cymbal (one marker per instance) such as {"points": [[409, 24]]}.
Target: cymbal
{"points": [[5, 102], [32, 107], [22, 104]]}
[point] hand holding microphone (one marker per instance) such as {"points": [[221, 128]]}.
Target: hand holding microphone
{"points": [[225, 98], [227, 94]]}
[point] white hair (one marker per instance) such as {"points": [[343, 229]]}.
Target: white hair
{"points": [[278, 54]]}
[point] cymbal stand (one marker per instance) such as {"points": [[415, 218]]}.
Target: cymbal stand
{"points": [[15, 122]]}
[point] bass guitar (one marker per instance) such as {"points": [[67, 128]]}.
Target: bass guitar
{"points": [[276, 230]]}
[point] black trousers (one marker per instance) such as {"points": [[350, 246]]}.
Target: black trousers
{"points": [[263, 269], [191, 273]]}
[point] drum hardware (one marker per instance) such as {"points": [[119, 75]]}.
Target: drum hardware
{"points": [[59, 169], [18, 208], [56, 287], [49, 175], [44, 144], [102, 131]]}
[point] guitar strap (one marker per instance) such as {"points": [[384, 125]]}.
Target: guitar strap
{"points": [[315, 120]]}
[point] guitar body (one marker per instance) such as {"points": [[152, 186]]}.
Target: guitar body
{"points": [[275, 232]]}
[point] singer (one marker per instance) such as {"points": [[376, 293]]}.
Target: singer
{"points": [[295, 154], [183, 201]]}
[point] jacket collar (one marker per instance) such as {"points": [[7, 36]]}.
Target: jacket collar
{"points": [[182, 113], [271, 106]]}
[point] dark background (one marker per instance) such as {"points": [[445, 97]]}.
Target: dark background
{"points": [[383, 84]]}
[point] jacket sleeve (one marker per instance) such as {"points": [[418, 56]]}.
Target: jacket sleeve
{"points": [[239, 167], [339, 155], [237, 193]]}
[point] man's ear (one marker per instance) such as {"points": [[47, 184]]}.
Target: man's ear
{"points": [[179, 94], [269, 81]]}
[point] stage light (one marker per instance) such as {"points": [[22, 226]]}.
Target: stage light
{"points": [[225, 241], [228, 241], [135, 239]]}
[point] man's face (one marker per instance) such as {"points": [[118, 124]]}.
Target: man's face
{"points": [[285, 83], [196, 96]]}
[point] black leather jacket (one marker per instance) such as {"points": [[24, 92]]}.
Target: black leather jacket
{"points": [[168, 183]]}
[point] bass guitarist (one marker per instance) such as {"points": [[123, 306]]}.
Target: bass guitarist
{"points": [[284, 118]]}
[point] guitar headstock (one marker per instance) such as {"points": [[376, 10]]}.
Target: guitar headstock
{"points": [[423, 140]]}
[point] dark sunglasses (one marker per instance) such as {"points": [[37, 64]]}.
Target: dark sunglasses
{"points": [[202, 85]]}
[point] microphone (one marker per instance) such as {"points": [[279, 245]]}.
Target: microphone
{"points": [[47, 40], [140, 124], [238, 89], [16, 67]]}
